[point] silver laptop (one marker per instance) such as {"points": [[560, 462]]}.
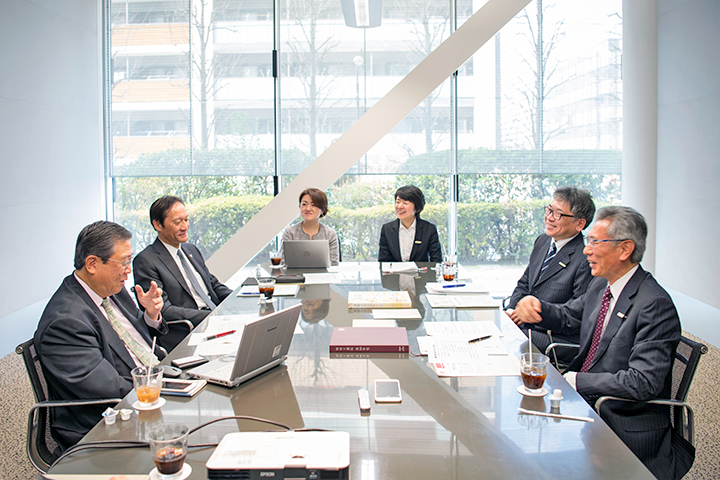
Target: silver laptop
{"points": [[307, 253], [263, 345]]}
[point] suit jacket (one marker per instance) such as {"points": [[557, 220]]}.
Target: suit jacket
{"points": [[566, 278], [83, 358], [425, 249], [156, 263], [634, 360]]}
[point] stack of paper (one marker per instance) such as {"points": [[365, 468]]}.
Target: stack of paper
{"points": [[399, 267], [455, 288], [462, 301], [381, 299]]}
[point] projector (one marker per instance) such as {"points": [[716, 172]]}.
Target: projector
{"points": [[281, 456]]}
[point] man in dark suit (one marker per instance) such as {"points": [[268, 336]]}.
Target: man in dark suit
{"points": [[558, 271], [91, 334], [190, 291], [409, 239], [629, 331]]}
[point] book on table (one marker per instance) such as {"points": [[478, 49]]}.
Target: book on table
{"points": [[369, 340], [381, 299]]}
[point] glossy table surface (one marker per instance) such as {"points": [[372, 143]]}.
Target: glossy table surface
{"points": [[445, 428]]}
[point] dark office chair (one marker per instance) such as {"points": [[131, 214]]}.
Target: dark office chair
{"points": [[41, 447], [687, 357], [551, 349]]}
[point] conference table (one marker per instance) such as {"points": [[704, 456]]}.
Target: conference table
{"points": [[444, 428]]}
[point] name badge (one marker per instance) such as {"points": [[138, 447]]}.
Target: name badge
{"points": [[418, 242], [562, 265], [622, 315]]}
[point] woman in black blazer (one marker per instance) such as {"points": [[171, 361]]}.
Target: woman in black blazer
{"points": [[409, 202]]}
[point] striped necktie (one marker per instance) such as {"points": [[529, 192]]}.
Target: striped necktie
{"points": [[142, 354], [548, 258], [598, 330], [194, 281]]}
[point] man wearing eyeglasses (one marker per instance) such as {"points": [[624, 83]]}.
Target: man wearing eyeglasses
{"points": [[557, 270], [190, 291], [91, 334], [629, 331]]}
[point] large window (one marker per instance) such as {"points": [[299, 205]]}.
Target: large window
{"points": [[211, 99]]}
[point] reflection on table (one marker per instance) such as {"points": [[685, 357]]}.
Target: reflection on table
{"points": [[445, 428]]}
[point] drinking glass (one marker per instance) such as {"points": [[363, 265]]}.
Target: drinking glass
{"points": [[168, 446], [276, 258], [147, 382], [267, 288], [533, 369], [448, 272]]}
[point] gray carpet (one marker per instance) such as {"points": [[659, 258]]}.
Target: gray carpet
{"points": [[17, 399]]}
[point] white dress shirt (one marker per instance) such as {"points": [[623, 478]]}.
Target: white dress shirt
{"points": [[406, 236]]}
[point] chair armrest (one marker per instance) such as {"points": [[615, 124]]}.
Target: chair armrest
{"points": [[504, 301], [689, 427], [554, 345], [185, 322]]}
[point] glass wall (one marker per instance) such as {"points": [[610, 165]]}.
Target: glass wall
{"points": [[218, 100]]}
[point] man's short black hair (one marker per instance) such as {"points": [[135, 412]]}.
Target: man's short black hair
{"points": [[99, 239], [160, 208], [580, 202], [411, 193]]}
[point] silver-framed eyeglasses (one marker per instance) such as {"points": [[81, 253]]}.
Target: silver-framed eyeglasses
{"points": [[549, 212], [593, 242], [124, 264]]}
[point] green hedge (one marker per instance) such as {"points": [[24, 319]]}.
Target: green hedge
{"points": [[487, 232]]}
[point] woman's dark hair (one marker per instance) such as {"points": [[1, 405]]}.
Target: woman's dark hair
{"points": [[411, 193], [318, 197]]}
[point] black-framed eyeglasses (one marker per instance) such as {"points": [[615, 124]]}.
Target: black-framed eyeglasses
{"points": [[594, 241], [549, 212], [124, 264]]}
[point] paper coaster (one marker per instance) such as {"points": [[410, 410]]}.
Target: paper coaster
{"points": [[521, 389], [139, 406], [185, 473]]}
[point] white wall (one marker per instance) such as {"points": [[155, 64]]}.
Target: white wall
{"points": [[688, 170], [51, 182]]}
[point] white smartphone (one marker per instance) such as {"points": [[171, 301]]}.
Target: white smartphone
{"points": [[177, 387], [387, 390], [187, 362]]}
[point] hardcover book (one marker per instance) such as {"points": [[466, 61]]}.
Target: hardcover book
{"points": [[369, 340]]}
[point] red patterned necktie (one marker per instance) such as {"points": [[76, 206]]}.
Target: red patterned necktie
{"points": [[598, 330]]}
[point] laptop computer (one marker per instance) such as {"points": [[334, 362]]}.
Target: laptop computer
{"points": [[307, 253], [264, 344]]}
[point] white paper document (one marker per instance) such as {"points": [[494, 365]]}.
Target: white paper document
{"points": [[371, 322], [489, 366], [396, 314], [468, 329], [397, 267], [321, 278], [281, 290], [462, 301], [455, 288]]}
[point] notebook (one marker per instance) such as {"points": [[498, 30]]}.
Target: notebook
{"points": [[264, 344], [306, 253]]}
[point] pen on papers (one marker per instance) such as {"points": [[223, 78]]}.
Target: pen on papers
{"points": [[454, 285], [479, 339], [218, 335]]}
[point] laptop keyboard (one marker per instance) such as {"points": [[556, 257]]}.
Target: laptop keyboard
{"points": [[222, 373]]}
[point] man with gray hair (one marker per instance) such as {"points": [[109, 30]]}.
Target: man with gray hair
{"points": [[91, 334], [557, 271], [629, 331]]}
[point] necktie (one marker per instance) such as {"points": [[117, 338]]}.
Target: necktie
{"points": [[598, 330], [548, 258], [194, 281], [138, 350]]}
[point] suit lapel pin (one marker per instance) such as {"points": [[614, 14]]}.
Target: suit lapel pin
{"points": [[622, 315], [418, 242], [562, 265]]}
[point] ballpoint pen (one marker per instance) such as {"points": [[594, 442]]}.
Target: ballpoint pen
{"points": [[218, 335], [454, 285], [479, 339]]}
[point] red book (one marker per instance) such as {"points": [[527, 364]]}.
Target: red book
{"points": [[369, 339]]}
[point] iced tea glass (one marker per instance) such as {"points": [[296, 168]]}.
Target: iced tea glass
{"points": [[533, 369], [147, 382]]}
